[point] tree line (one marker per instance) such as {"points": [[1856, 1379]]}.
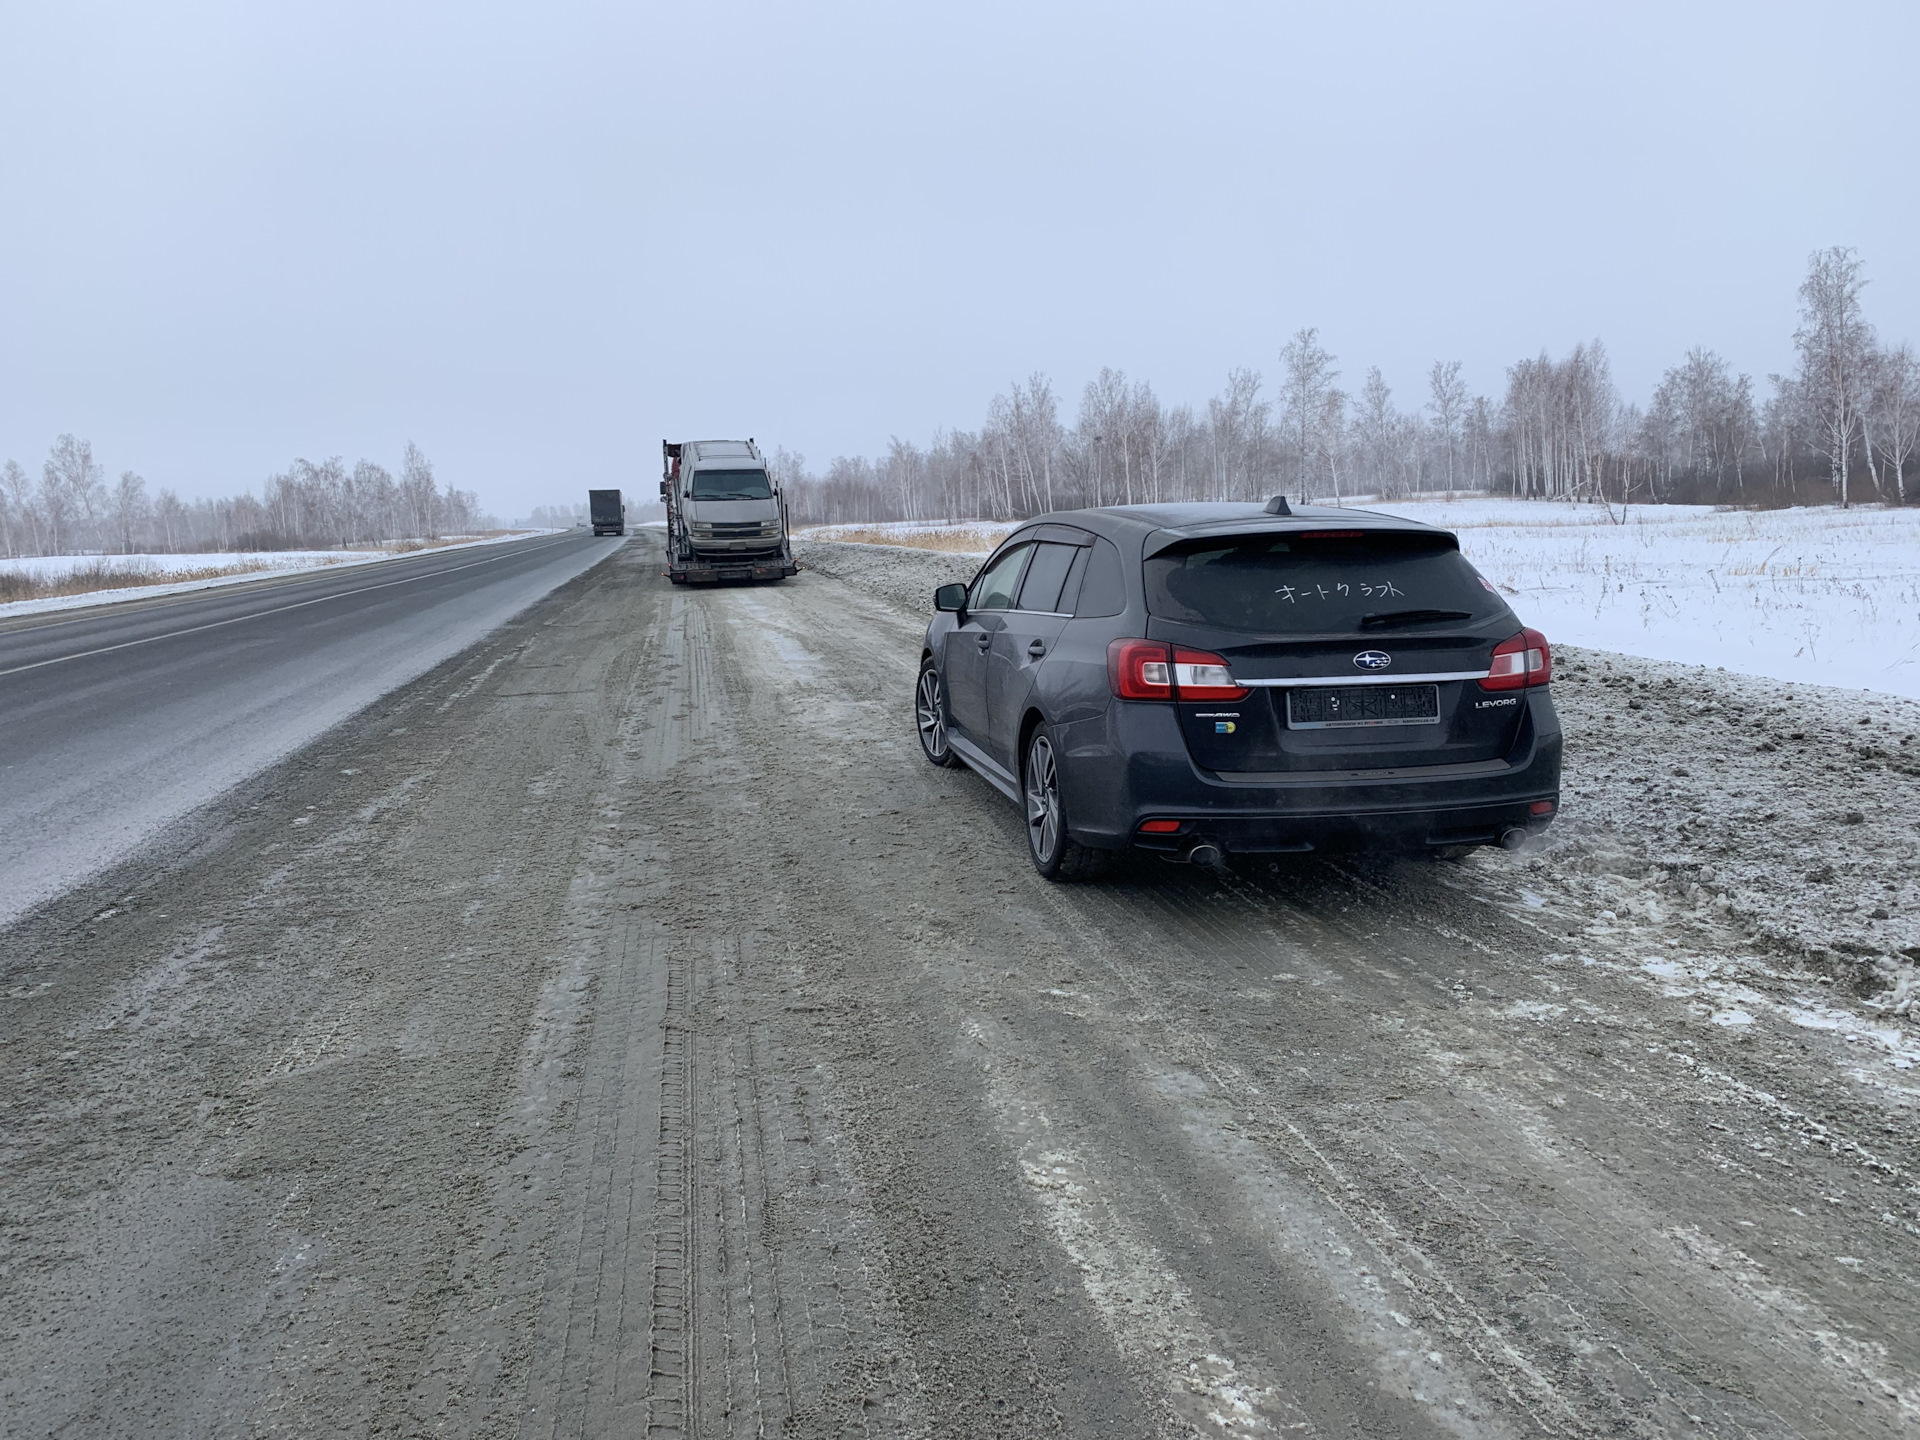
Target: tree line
{"points": [[73, 510], [1840, 427]]}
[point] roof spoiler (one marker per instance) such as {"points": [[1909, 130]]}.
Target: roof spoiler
{"points": [[1278, 506]]}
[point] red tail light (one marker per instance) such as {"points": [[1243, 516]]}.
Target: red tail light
{"points": [[1140, 670], [1522, 661], [1159, 827], [1150, 670]]}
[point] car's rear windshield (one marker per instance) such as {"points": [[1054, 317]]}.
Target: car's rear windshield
{"points": [[731, 485], [1330, 582]]}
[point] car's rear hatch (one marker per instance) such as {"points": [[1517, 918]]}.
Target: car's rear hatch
{"points": [[1360, 648]]}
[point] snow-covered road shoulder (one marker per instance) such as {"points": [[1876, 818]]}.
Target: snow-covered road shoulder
{"points": [[246, 566]]}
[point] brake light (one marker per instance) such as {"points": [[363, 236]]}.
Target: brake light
{"points": [[1150, 670], [1331, 534], [1520, 662]]}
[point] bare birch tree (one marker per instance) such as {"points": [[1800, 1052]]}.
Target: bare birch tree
{"points": [[1447, 403], [1238, 426], [1836, 346], [1376, 424], [416, 490], [69, 484], [16, 502], [130, 511], [1896, 404], [1307, 378]]}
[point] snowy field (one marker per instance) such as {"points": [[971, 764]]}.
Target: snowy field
{"points": [[54, 567], [197, 572], [1816, 595]]}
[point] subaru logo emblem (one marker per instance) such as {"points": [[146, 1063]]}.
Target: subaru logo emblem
{"points": [[1373, 660]]}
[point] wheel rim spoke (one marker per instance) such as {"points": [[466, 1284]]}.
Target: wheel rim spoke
{"points": [[933, 730], [1043, 799]]}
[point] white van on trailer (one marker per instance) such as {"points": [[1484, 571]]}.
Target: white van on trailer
{"points": [[726, 519]]}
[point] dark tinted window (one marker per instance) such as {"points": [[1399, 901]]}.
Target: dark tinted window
{"points": [[1070, 592], [731, 485], [1048, 572], [1104, 591], [994, 588], [1341, 584]]}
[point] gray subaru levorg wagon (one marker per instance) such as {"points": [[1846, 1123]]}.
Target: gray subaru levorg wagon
{"points": [[1212, 680]]}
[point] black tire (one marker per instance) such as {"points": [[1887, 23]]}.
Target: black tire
{"points": [[1055, 854], [930, 717]]}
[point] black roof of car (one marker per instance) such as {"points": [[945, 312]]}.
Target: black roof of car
{"points": [[1157, 526]]}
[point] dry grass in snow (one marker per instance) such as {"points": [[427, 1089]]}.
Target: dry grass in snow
{"points": [[959, 537]]}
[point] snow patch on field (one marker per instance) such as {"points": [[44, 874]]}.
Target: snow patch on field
{"points": [[1814, 594]]}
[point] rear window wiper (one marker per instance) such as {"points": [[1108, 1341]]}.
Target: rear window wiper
{"points": [[1374, 620]]}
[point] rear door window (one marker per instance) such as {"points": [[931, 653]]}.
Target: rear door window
{"points": [[1333, 582], [1045, 576], [995, 587]]}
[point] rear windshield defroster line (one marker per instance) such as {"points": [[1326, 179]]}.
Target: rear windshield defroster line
{"points": [[1292, 585], [731, 485]]}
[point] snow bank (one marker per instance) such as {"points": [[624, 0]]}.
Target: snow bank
{"points": [[247, 565], [54, 567]]}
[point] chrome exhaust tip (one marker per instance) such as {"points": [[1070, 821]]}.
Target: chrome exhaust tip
{"points": [[1207, 854], [1513, 838]]}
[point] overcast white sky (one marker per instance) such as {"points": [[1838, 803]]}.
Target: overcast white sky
{"points": [[537, 238]]}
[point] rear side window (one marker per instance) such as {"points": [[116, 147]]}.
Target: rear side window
{"points": [[1104, 591], [994, 588], [1340, 582], [1046, 575]]}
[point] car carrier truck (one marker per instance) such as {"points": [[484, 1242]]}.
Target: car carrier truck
{"points": [[608, 513], [726, 519]]}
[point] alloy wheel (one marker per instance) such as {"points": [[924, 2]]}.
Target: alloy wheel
{"points": [[1043, 800], [930, 713]]}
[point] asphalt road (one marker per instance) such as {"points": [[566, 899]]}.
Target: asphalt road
{"points": [[118, 720], [619, 1030]]}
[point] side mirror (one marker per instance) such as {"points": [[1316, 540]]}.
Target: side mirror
{"points": [[950, 597]]}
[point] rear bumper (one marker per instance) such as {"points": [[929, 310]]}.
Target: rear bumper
{"points": [[708, 570], [1291, 832], [1148, 775]]}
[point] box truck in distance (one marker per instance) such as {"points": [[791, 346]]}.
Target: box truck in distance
{"points": [[608, 513]]}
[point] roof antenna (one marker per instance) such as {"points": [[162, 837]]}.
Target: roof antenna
{"points": [[1278, 506]]}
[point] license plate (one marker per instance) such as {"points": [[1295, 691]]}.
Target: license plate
{"points": [[1347, 707]]}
